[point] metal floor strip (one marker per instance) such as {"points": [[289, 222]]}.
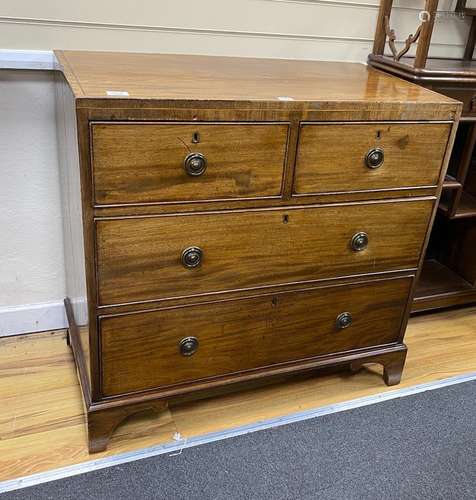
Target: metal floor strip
{"points": [[178, 446]]}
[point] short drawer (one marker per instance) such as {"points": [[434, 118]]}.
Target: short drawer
{"points": [[365, 157], [172, 162], [172, 346], [149, 258]]}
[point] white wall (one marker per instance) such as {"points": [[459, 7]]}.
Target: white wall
{"points": [[312, 29], [31, 248], [31, 262]]}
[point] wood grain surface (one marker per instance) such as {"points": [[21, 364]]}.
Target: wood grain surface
{"points": [[43, 425], [331, 158], [133, 259], [139, 258], [206, 78], [144, 163], [141, 351]]}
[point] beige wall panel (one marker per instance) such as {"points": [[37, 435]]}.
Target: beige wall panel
{"points": [[273, 28]]}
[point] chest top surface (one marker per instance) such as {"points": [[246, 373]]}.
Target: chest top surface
{"points": [[94, 75]]}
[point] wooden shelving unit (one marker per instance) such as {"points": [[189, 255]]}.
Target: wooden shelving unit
{"points": [[466, 207], [448, 277], [451, 183], [441, 287]]}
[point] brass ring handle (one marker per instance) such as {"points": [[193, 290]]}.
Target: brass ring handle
{"points": [[375, 158], [192, 257], [359, 241], [188, 346], [195, 164], [344, 320]]}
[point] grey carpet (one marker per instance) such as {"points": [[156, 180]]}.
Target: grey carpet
{"points": [[417, 447]]}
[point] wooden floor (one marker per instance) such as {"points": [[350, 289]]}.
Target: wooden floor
{"points": [[42, 422]]}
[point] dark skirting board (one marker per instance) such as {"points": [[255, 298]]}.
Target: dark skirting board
{"points": [[421, 446]]}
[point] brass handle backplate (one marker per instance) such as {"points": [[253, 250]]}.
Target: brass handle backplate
{"points": [[344, 320], [195, 164], [192, 257], [188, 346], [375, 158], [359, 242]]}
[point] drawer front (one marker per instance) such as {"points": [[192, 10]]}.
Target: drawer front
{"points": [[152, 258], [162, 348], [356, 157], [147, 163]]}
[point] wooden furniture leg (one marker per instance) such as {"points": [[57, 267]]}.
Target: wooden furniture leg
{"points": [[102, 423], [392, 363], [424, 41], [380, 34]]}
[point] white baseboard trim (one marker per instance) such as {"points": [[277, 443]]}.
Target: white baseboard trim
{"points": [[32, 318], [27, 59]]}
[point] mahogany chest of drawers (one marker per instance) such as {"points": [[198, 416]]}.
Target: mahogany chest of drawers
{"points": [[228, 220]]}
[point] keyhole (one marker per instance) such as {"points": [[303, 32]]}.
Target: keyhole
{"points": [[285, 219], [195, 138], [379, 134]]}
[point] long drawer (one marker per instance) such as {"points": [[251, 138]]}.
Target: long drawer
{"points": [[366, 157], [146, 350], [170, 162], [149, 258]]}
